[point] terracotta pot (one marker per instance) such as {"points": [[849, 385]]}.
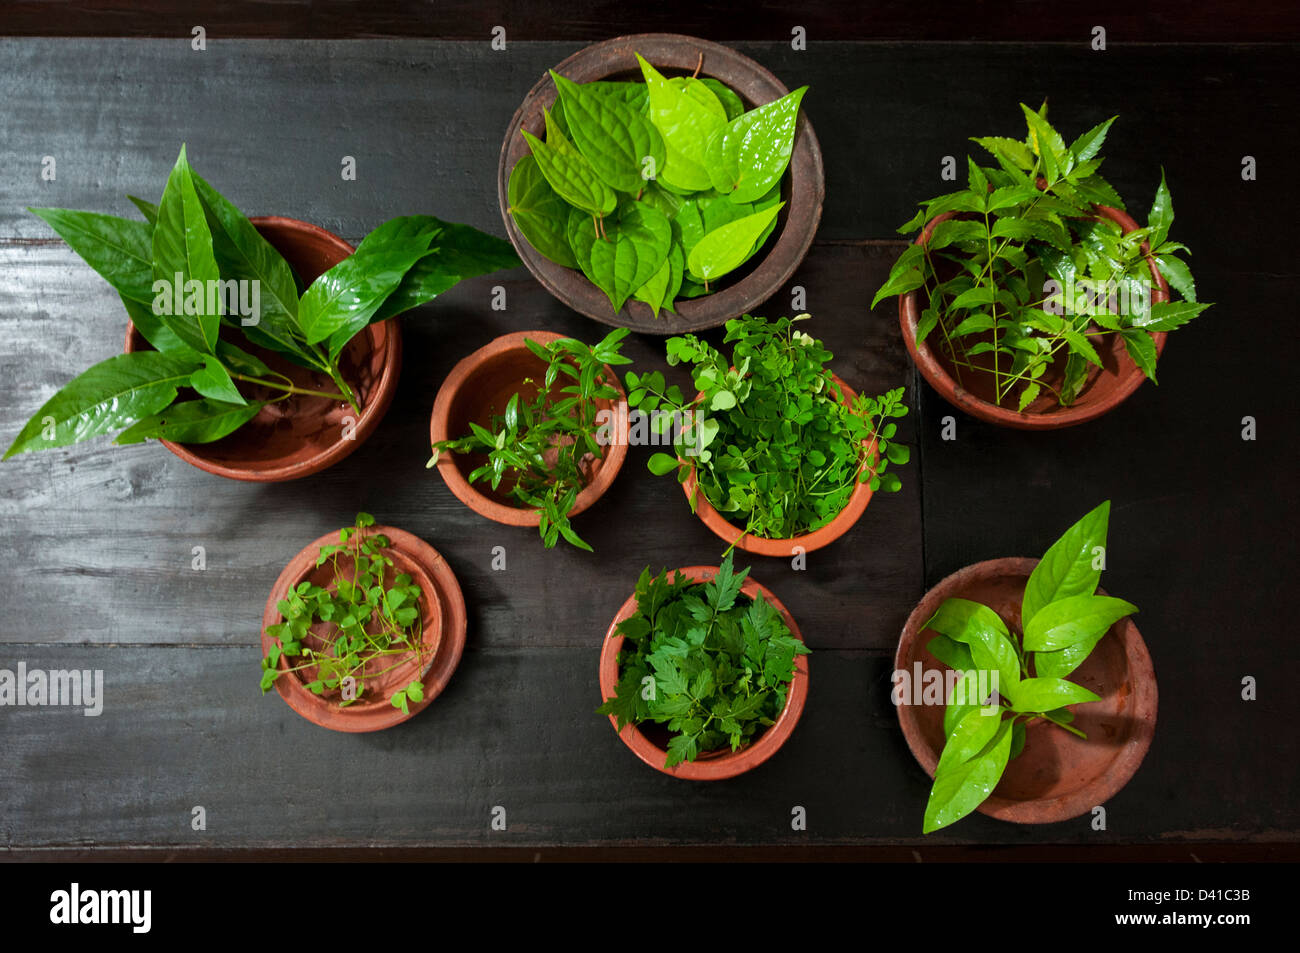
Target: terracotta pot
{"points": [[479, 387], [1105, 388], [443, 620], [1058, 775], [803, 186], [302, 435], [730, 533], [710, 765]]}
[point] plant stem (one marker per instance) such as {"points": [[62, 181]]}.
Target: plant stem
{"points": [[287, 387]]}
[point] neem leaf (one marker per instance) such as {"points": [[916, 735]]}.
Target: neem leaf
{"points": [[112, 394], [686, 115], [1162, 213], [191, 421], [539, 212], [1141, 348], [1067, 568], [635, 247], [1073, 619], [749, 155], [621, 144], [723, 249], [1048, 145], [1168, 315], [119, 249], [1089, 144], [569, 172]]}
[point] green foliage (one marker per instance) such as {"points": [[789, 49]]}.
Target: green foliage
{"points": [[541, 448], [638, 183], [710, 664], [1027, 278], [364, 623], [773, 445], [194, 234], [1062, 620]]}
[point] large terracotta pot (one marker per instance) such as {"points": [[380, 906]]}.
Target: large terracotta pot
{"points": [[1105, 388], [649, 742], [301, 435], [443, 622], [478, 387], [803, 187], [1058, 775]]}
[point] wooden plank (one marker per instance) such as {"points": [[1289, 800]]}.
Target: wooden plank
{"points": [[99, 539], [1155, 22], [268, 122], [184, 727]]}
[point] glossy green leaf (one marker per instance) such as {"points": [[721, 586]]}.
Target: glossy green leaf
{"points": [[569, 172], [954, 654], [1067, 569], [635, 247], [725, 248], [191, 421], [1161, 216], [1141, 349], [110, 395], [343, 299], [147, 208], [213, 380], [182, 245], [686, 115], [1169, 315], [971, 734], [1046, 694], [749, 155], [1073, 619], [732, 104], [661, 288], [1089, 144], [540, 213], [621, 144], [119, 249], [961, 789]]}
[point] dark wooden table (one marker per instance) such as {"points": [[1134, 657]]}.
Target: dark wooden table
{"points": [[97, 544]]}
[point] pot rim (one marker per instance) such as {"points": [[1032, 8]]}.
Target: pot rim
{"points": [[710, 766], [1097, 791], [784, 547], [371, 414], [1130, 377], [803, 211], [446, 604], [612, 461]]}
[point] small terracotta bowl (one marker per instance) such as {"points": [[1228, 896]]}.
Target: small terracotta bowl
{"points": [[1105, 388], [1058, 775], [300, 435], [649, 742], [730, 533], [803, 187], [479, 387], [443, 621]]}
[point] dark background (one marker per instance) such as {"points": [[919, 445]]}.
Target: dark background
{"points": [[97, 540]]}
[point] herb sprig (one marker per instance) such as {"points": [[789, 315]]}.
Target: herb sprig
{"points": [[771, 441], [544, 445], [1061, 621], [704, 660], [1027, 274], [370, 614]]}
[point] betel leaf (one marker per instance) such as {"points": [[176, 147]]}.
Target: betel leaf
{"points": [[182, 246], [191, 421], [749, 155], [1070, 567], [458, 253], [113, 394], [342, 300], [660, 289], [539, 212], [569, 172], [1046, 694], [119, 249], [961, 789], [621, 144], [725, 248], [686, 115], [635, 247], [630, 94], [732, 104], [1073, 619]]}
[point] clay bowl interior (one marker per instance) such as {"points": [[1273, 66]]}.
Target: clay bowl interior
{"points": [[1104, 388], [1058, 775], [300, 435], [478, 388], [650, 741], [802, 186], [443, 621], [759, 546]]}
